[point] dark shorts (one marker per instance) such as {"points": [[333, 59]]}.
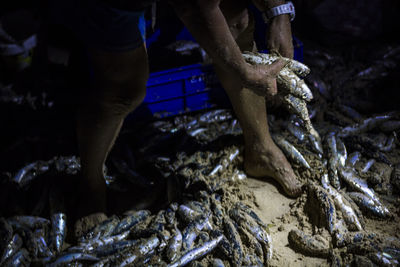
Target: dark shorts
{"points": [[100, 26]]}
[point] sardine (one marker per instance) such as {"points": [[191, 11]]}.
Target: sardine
{"points": [[41, 244], [144, 248], [197, 252], [364, 126], [21, 258], [58, 231], [341, 152], [92, 244], [290, 151], [217, 263], [30, 222], [353, 158], [187, 214], [390, 144], [190, 233], [350, 112], [348, 213], [110, 249], [71, 257], [368, 165], [296, 130], [130, 221], [233, 236], [11, 248], [6, 233], [104, 229], [174, 246], [368, 204], [357, 184], [28, 173], [383, 259]]}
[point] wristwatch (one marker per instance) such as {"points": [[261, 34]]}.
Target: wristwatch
{"points": [[287, 8]]}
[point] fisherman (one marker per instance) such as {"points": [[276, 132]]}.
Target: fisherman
{"points": [[114, 32]]}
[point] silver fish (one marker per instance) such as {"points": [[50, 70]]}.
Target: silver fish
{"points": [[364, 126], [266, 59], [21, 258], [6, 233], [41, 244], [217, 263], [187, 214], [368, 204], [143, 249], [28, 173], [130, 221], [368, 165], [347, 211], [224, 162], [58, 231], [110, 249], [233, 236], [71, 257], [353, 158], [197, 252], [174, 246], [383, 259], [197, 131], [104, 229], [333, 162], [31, 222], [390, 144], [341, 152], [350, 112], [91, 244], [357, 184], [290, 151], [296, 130], [190, 233], [11, 248]]}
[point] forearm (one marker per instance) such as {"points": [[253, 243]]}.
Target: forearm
{"points": [[207, 24]]}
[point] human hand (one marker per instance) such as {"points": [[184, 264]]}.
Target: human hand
{"points": [[262, 78], [280, 36]]}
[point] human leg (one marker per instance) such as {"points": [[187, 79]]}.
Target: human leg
{"points": [[262, 156], [119, 86]]}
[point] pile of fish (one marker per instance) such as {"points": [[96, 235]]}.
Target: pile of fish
{"points": [[225, 231]]}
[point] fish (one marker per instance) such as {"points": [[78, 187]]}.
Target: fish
{"points": [[41, 244], [233, 236], [6, 233], [29, 172], [217, 263], [174, 246], [368, 165], [350, 112], [58, 231], [144, 248], [21, 258], [314, 246], [364, 126], [383, 259], [297, 67], [290, 151], [341, 203], [353, 158], [90, 245], [361, 186], [190, 233], [366, 203], [113, 248], [12, 247], [296, 130], [31, 222], [187, 214], [333, 160], [341, 152], [196, 253], [390, 144], [72, 257], [130, 221], [104, 229]]}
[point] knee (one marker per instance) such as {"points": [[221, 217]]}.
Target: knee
{"points": [[123, 97]]}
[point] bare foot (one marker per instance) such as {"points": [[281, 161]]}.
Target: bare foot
{"points": [[271, 162]]}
